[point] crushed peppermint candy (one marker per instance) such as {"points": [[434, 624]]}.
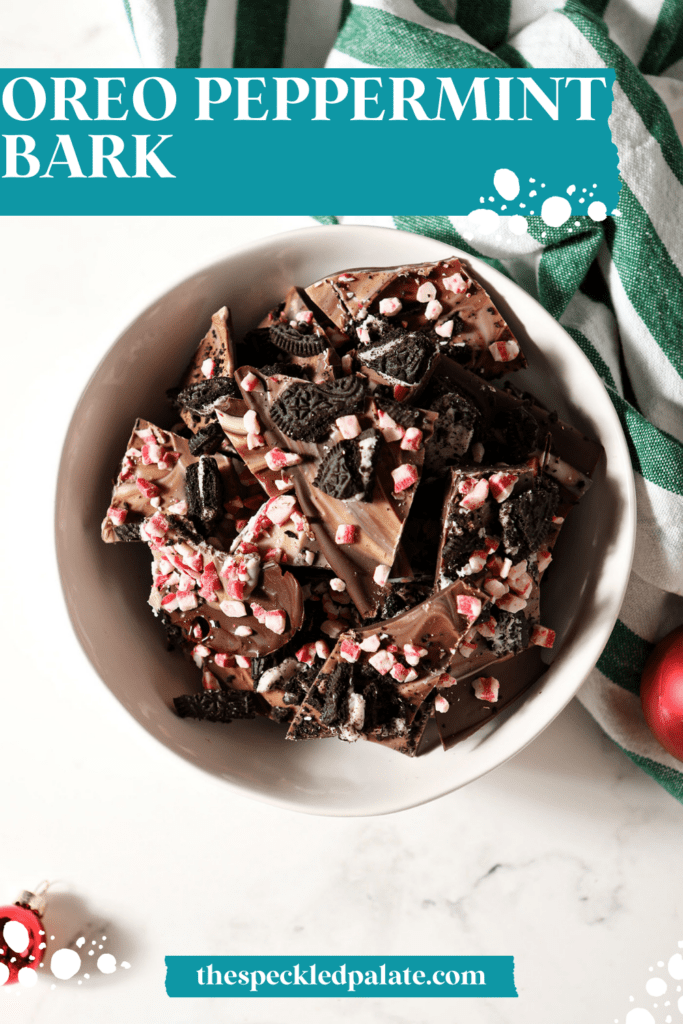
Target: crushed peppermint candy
{"points": [[233, 609], [117, 515], [441, 704], [337, 584], [456, 283], [208, 367], [277, 459], [250, 382], [251, 422], [346, 534], [404, 477], [381, 575], [504, 351], [383, 662], [477, 496], [276, 621], [486, 688], [468, 607], [371, 644], [426, 292], [390, 307], [541, 636], [412, 439], [349, 650], [444, 330], [434, 310], [349, 426]]}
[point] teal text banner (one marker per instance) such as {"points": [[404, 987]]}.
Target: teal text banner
{"points": [[255, 977], [266, 141]]}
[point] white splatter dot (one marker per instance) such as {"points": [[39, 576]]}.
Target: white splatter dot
{"points": [[655, 987], [571, 190], [583, 201], [506, 183], [660, 963], [492, 199], [65, 963], [16, 936], [481, 199], [124, 963], [543, 185], [584, 189], [504, 206], [555, 211], [80, 942], [577, 223], [597, 211], [4, 973], [533, 193], [675, 966], [679, 1004], [484, 222], [27, 977], [517, 224], [106, 963], [639, 1016]]}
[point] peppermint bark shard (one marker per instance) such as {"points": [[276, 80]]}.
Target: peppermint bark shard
{"points": [[159, 473], [231, 604], [439, 299], [300, 426], [213, 361], [293, 334], [377, 677]]}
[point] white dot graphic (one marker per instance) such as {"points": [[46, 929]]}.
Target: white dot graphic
{"points": [[571, 190], [597, 210], [65, 963], [107, 963], [555, 211], [675, 966], [506, 183], [27, 977], [655, 987], [517, 224], [16, 936], [679, 1004], [484, 222], [4, 973]]}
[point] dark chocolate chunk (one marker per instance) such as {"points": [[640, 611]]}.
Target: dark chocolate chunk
{"points": [[454, 432], [202, 397], [403, 355], [515, 435], [305, 412], [216, 705], [204, 490], [347, 472], [207, 441], [289, 339], [527, 517], [336, 688]]}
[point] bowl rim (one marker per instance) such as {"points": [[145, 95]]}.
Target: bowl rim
{"points": [[505, 749]]}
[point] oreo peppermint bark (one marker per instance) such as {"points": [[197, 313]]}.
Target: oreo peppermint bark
{"points": [[300, 426], [392, 357], [499, 528], [377, 677], [234, 605], [214, 360], [159, 473], [516, 429], [441, 300]]}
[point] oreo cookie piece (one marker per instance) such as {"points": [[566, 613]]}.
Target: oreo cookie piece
{"points": [[288, 369], [296, 343], [455, 430], [403, 355], [129, 531], [336, 687], [204, 490], [201, 398], [512, 633], [207, 441], [216, 705], [348, 470], [305, 412], [527, 517]]}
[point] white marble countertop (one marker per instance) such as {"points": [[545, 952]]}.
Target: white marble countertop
{"points": [[567, 857]]}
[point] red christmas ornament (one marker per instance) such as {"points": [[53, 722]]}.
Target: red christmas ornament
{"points": [[22, 937], [661, 692]]}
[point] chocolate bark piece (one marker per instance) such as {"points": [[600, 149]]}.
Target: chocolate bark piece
{"points": [[378, 676], [234, 603], [455, 434], [153, 479], [441, 299], [293, 334], [359, 539], [213, 360], [460, 712], [571, 457], [280, 532]]}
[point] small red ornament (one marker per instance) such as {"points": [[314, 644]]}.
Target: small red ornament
{"points": [[21, 925], [661, 692]]}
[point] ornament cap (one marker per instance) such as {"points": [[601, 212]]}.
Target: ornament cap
{"points": [[33, 901]]}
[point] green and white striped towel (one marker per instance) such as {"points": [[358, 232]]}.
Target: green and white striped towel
{"points": [[616, 286]]}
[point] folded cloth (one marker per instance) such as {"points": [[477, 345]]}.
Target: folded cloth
{"points": [[615, 285]]}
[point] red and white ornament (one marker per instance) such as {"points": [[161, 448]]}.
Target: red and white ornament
{"points": [[22, 939], [661, 692]]}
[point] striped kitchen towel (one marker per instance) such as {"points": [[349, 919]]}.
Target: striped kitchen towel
{"points": [[617, 285]]}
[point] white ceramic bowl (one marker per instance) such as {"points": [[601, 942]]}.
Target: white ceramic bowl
{"points": [[106, 586]]}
